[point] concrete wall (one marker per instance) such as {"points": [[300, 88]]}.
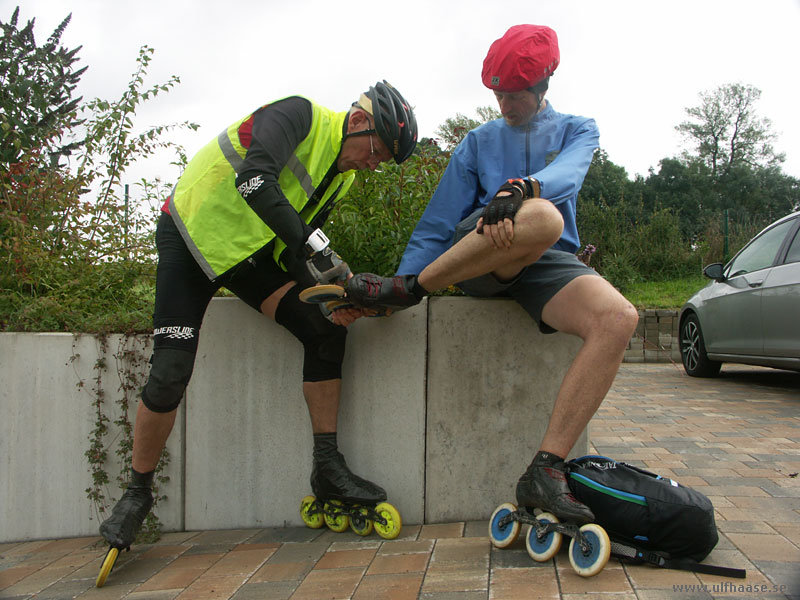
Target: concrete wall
{"points": [[442, 404], [492, 381], [46, 418]]}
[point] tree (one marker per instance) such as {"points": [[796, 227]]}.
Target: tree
{"points": [[455, 129], [605, 181], [36, 98], [726, 132]]}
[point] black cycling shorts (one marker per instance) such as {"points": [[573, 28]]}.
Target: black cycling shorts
{"points": [[183, 291]]}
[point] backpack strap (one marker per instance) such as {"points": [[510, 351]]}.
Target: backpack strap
{"points": [[636, 554]]}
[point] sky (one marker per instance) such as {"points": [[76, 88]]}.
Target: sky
{"points": [[634, 66]]}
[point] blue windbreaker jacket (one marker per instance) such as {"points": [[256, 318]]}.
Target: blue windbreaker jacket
{"points": [[556, 149]]}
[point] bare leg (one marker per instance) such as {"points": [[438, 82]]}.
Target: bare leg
{"points": [[322, 397], [592, 309], [537, 226], [150, 433]]}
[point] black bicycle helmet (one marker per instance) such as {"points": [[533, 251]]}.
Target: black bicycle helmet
{"points": [[395, 123]]}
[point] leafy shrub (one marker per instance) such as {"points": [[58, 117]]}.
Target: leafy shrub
{"points": [[372, 224], [71, 262]]}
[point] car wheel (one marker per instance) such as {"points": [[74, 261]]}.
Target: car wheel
{"points": [[693, 350]]}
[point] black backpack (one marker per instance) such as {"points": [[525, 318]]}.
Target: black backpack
{"points": [[648, 518]]}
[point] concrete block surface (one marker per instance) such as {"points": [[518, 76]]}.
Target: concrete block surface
{"points": [[492, 382]]}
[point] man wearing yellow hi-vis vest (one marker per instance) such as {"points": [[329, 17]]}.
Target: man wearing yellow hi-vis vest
{"points": [[246, 215]]}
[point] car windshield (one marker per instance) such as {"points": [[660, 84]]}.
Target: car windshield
{"points": [[761, 252]]}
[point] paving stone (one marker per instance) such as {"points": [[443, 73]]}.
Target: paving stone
{"points": [[454, 596], [763, 547], [442, 530], [292, 553], [785, 577], [399, 563], [404, 586], [274, 590], [151, 595], [346, 558], [476, 528], [517, 584], [64, 589], [455, 577], [287, 571], [286, 534], [407, 547], [329, 583]]}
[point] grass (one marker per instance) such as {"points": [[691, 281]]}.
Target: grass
{"points": [[664, 294]]}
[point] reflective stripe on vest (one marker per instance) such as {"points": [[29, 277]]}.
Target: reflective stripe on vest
{"points": [[218, 225], [229, 152]]}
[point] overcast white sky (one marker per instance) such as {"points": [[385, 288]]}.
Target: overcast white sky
{"points": [[632, 65]]}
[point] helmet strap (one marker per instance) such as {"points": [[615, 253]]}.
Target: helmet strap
{"points": [[368, 131]]}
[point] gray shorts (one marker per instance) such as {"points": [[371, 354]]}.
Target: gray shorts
{"points": [[534, 285]]}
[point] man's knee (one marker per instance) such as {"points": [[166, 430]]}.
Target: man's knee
{"points": [[543, 221], [169, 376], [323, 342], [323, 356], [618, 319]]}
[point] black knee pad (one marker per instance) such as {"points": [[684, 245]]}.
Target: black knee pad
{"points": [[323, 342], [168, 379]]}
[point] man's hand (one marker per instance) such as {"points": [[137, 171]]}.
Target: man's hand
{"points": [[348, 316], [499, 214], [325, 266]]}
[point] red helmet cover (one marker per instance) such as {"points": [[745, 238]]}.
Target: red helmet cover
{"points": [[524, 56]]}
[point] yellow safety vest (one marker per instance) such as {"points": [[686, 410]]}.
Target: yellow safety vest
{"points": [[219, 227]]}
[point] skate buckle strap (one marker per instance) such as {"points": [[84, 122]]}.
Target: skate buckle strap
{"points": [[684, 564]]}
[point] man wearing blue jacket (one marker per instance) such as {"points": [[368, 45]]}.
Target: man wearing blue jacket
{"points": [[502, 222]]}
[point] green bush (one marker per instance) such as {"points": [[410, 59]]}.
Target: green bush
{"points": [[76, 254], [371, 226]]}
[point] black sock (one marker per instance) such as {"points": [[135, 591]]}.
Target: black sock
{"points": [[140, 480]]}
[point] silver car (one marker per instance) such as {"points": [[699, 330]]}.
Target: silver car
{"points": [[750, 312]]}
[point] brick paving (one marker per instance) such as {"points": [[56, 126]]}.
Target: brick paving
{"points": [[735, 438]]}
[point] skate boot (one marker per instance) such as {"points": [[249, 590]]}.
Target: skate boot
{"points": [[366, 290], [544, 487], [126, 519], [342, 498]]}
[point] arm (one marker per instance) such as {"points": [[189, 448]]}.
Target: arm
{"points": [[277, 129], [561, 180], [453, 200]]}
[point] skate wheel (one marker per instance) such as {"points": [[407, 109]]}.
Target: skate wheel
{"points": [[361, 524], [337, 304], [394, 523], [338, 520], [310, 513], [592, 561], [543, 547], [503, 536], [108, 564], [320, 294]]}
